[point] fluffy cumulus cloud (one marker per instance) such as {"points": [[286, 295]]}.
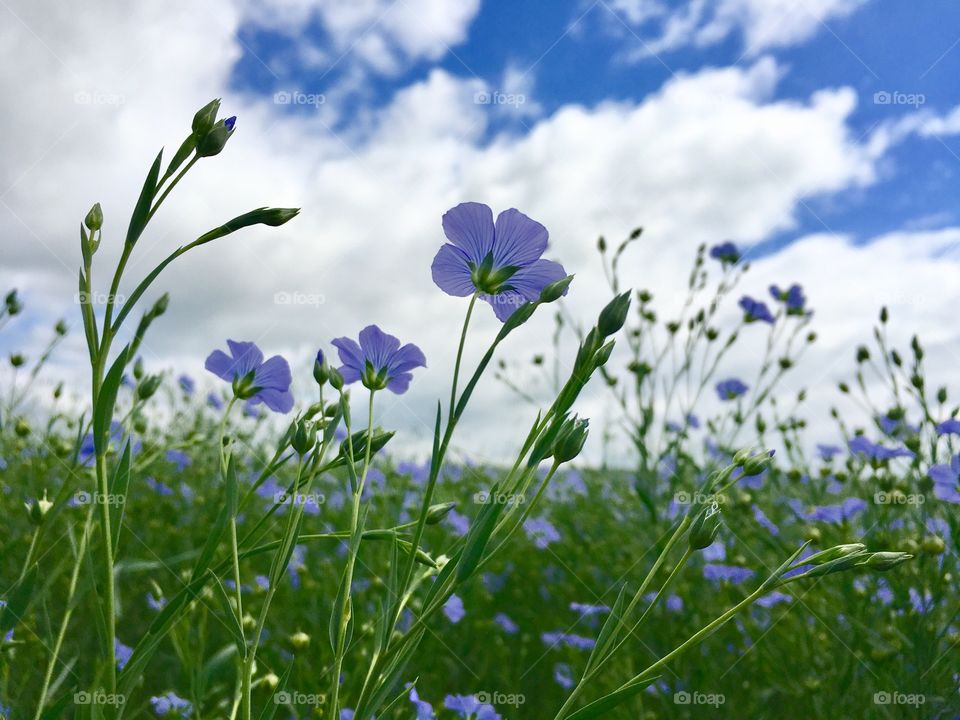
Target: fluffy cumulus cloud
{"points": [[382, 34], [762, 24], [711, 155]]}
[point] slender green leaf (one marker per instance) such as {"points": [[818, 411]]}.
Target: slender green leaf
{"points": [[118, 488], [106, 401], [18, 600], [600, 708], [141, 212], [230, 619]]}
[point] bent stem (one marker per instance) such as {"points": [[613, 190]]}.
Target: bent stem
{"points": [[356, 535]]}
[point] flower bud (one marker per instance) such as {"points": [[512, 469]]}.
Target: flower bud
{"points": [[94, 218], [831, 554], [614, 315], [756, 464], [12, 303], [148, 387], [438, 512], [17, 360], [138, 369], [556, 290], [321, 372], [380, 439], [304, 436], [603, 354], [883, 561], [704, 529], [216, 139], [205, 117], [300, 640], [570, 440], [336, 379], [61, 328], [160, 306], [37, 509]]}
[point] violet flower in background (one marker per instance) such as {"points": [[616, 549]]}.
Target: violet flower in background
{"points": [[254, 379], [378, 360], [755, 310]]}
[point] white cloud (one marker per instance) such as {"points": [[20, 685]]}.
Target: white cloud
{"points": [[762, 24], [384, 34], [711, 155]]}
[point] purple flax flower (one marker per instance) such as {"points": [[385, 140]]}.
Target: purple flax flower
{"points": [[254, 379], [731, 389], [378, 361], [171, 705], [122, 653], [587, 610], [836, 514], [860, 445], [541, 531], [921, 603], [674, 603], [578, 642], [792, 297], [755, 310], [563, 675], [949, 427], [828, 452], [505, 623], [726, 252], [187, 384], [155, 603], [500, 261], [731, 573], [178, 458], [774, 598], [764, 521], [423, 709], [945, 480], [454, 610], [468, 706], [214, 401]]}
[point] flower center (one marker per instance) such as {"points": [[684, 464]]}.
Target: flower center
{"points": [[244, 387], [489, 279], [373, 378]]}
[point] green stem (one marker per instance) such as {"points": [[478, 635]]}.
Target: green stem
{"points": [[356, 536], [67, 614], [456, 367]]}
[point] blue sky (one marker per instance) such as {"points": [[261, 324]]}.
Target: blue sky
{"points": [[576, 53]]}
